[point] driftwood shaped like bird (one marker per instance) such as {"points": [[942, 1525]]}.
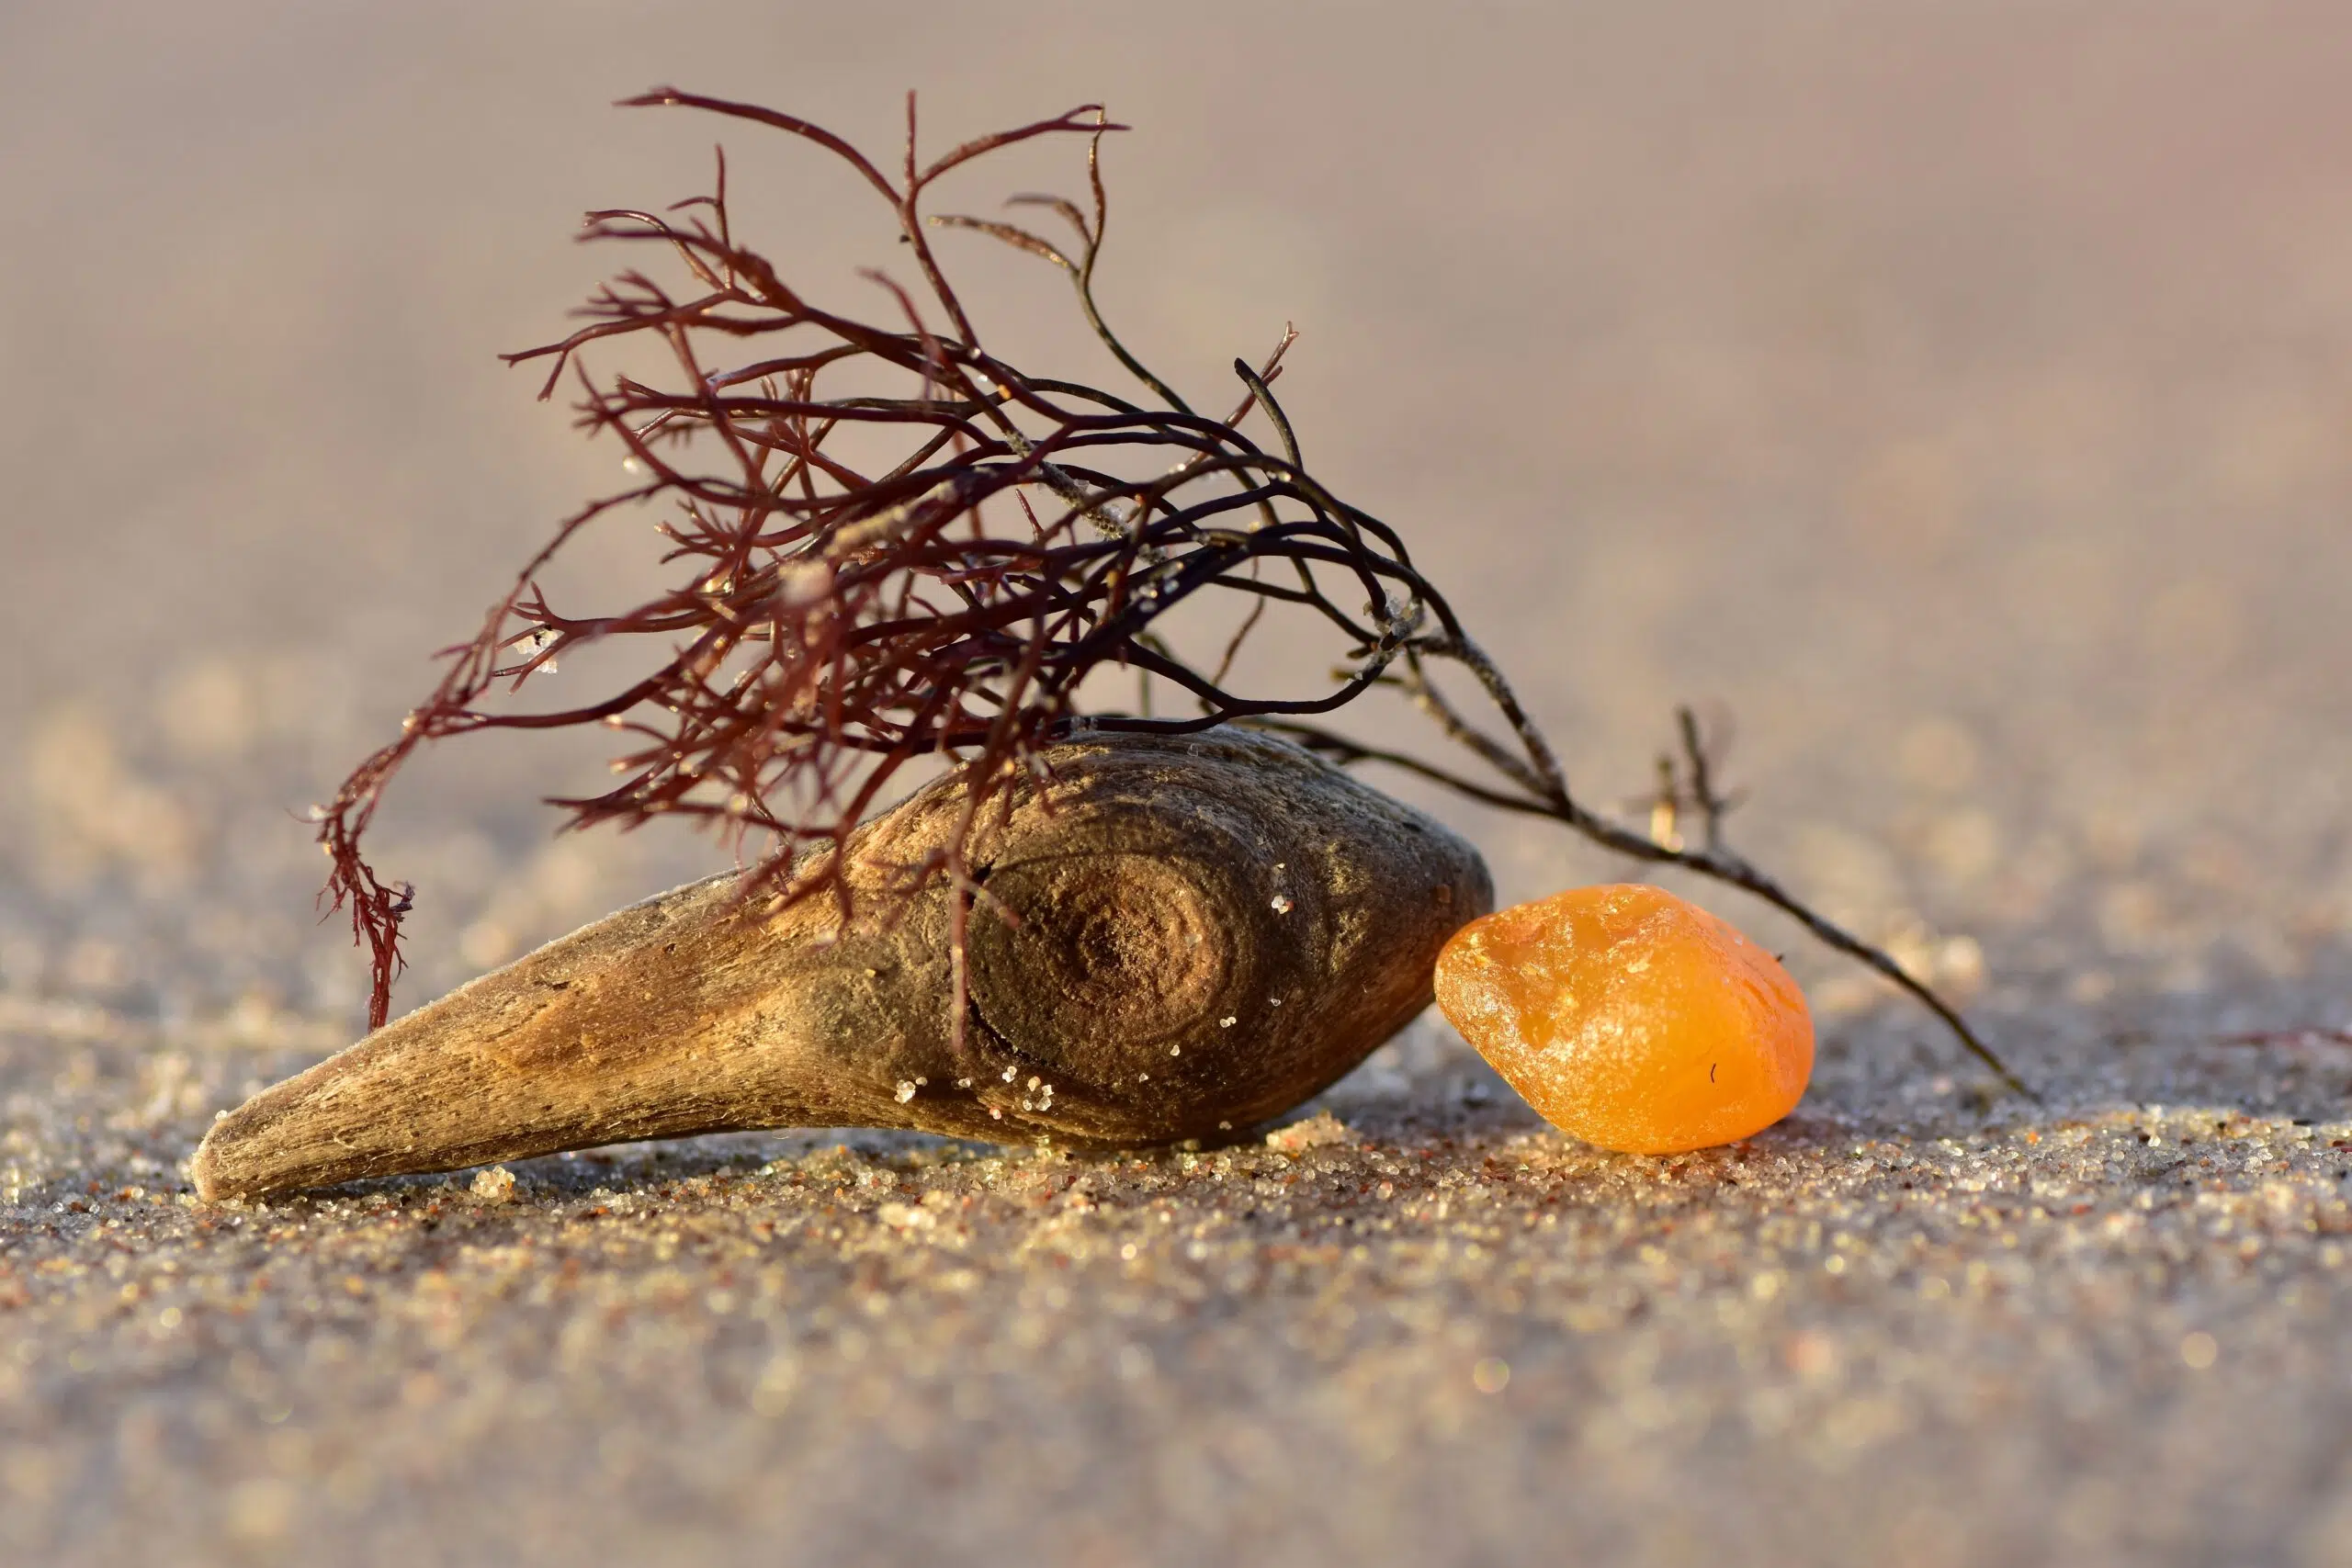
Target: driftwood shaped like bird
{"points": [[1176, 936]]}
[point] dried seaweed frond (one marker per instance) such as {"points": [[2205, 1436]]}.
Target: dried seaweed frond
{"points": [[832, 622]]}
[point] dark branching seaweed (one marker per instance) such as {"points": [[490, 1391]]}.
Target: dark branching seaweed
{"points": [[830, 625]]}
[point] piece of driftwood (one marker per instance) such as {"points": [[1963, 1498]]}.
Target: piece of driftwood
{"points": [[1203, 932]]}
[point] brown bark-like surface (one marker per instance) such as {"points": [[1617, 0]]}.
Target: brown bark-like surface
{"points": [[1171, 938]]}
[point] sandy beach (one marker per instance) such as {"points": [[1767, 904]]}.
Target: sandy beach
{"points": [[1954, 399]]}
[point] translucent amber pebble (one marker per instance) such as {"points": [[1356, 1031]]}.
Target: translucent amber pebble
{"points": [[1629, 1018]]}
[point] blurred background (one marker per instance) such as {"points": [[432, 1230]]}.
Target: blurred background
{"points": [[1957, 394]]}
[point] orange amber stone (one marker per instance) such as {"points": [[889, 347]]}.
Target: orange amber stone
{"points": [[1629, 1018]]}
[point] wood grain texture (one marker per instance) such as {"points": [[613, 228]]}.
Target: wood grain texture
{"points": [[1203, 931]]}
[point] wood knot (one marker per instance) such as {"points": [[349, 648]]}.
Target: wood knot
{"points": [[1121, 959]]}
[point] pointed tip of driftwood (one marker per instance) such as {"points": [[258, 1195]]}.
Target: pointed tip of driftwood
{"points": [[204, 1169]]}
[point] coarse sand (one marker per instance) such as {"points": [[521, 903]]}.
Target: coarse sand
{"points": [[1416, 1326]]}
